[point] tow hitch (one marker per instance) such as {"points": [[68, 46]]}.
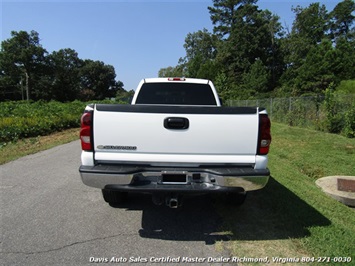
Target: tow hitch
{"points": [[171, 200]]}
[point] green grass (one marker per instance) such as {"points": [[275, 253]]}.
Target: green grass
{"points": [[13, 150], [291, 216], [311, 155]]}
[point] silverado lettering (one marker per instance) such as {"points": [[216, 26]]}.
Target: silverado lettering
{"points": [[112, 147]]}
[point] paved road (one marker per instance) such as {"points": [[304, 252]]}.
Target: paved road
{"points": [[48, 217]]}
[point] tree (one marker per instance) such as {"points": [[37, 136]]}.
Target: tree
{"points": [[255, 36], [201, 43], [98, 80], [21, 57], [11, 81], [222, 84], [198, 62], [201, 50], [256, 81], [341, 20], [311, 23], [26, 68], [170, 71], [345, 59], [319, 69], [65, 65], [224, 15], [309, 29], [249, 55], [124, 96]]}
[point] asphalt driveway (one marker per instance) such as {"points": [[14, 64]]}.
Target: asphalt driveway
{"points": [[49, 217]]}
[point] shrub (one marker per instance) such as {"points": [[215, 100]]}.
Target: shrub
{"points": [[334, 121], [349, 127], [23, 119]]}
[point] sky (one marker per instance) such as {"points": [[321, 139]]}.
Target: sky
{"points": [[136, 37]]}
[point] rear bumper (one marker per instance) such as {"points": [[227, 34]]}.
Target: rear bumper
{"points": [[150, 179]]}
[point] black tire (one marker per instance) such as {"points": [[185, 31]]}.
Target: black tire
{"points": [[114, 197], [236, 198]]}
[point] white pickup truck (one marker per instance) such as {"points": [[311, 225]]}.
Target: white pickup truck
{"points": [[174, 139]]}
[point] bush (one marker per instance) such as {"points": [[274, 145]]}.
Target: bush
{"points": [[334, 122], [346, 87], [23, 119], [349, 127]]}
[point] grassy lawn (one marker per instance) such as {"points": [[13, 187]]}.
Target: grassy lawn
{"points": [[291, 216]]}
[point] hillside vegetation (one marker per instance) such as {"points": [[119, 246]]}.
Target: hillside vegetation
{"points": [[24, 119]]}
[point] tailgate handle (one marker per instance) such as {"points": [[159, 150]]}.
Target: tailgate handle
{"points": [[176, 123]]}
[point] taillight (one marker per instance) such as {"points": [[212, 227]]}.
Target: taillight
{"points": [[85, 131], [264, 134]]}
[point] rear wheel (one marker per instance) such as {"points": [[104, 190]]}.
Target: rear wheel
{"points": [[114, 197]]}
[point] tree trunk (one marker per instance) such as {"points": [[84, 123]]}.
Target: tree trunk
{"points": [[27, 86]]}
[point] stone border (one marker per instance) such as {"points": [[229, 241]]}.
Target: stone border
{"points": [[329, 185]]}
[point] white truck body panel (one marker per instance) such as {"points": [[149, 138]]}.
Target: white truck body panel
{"points": [[222, 138]]}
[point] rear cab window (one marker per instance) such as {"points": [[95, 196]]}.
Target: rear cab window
{"points": [[176, 94]]}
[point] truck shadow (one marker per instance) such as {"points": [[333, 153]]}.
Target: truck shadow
{"points": [[196, 220], [272, 213]]}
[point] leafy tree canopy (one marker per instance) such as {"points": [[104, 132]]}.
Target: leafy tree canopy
{"points": [[27, 71], [249, 54]]}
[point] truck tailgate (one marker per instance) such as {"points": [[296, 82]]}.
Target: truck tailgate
{"points": [[136, 133]]}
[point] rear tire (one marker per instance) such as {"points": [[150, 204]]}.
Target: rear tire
{"points": [[114, 197]]}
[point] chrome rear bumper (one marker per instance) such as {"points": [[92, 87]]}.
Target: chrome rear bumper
{"points": [[150, 179]]}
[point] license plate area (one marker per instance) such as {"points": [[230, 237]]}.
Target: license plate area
{"points": [[174, 178]]}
